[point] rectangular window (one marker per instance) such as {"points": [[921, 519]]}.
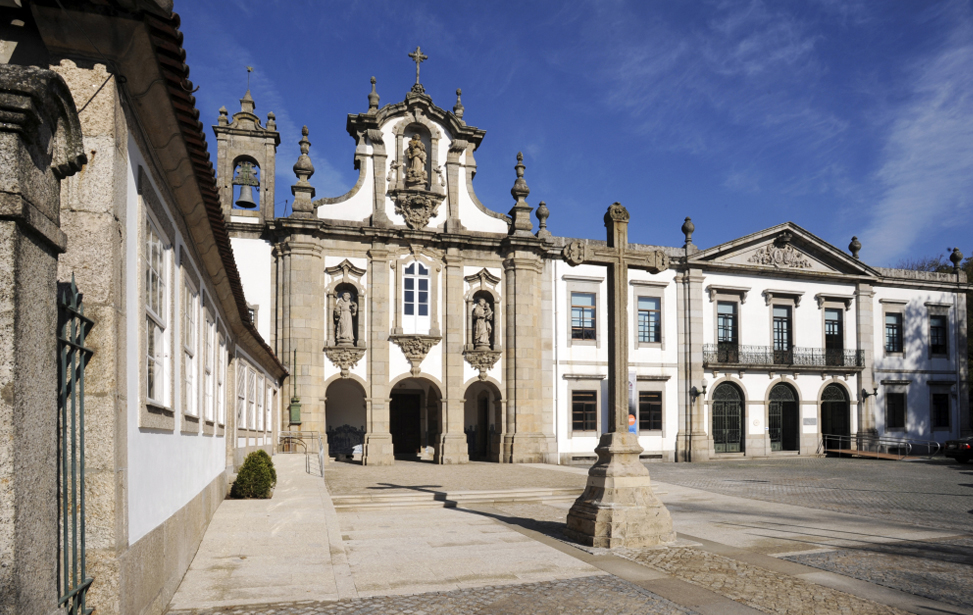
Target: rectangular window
{"points": [[584, 411], [267, 410], [893, 333], [582, 316], [241, 395], [155, 311], [940, 411], [208, 360], [260, 403], [190, 307], [248, 422], [782, 335], [834, 336], [895, 410], [726, 332], [650, 320], [415, 298], [938, 325], [650, 410], [220, 388]]}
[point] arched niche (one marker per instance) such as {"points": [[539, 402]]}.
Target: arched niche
{"points": [[346, 278], [483, 285], [429, 134]]}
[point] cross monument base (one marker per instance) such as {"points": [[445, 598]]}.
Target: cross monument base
{"points": [[618, 508]]}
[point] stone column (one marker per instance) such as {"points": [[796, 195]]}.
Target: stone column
{"points": [[962, 367], [40, 143], [378, 440], [693, 440], [865, 332], [523, 439], [452, 441]]}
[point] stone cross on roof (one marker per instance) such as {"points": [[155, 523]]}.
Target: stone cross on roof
{"points": [[418, 57]]}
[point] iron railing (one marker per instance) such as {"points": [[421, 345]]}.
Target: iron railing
{"points": [[73, 356], [766, 356], [898, 448], [303, 442]]}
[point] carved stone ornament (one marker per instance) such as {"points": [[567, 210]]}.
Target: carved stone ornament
{"points": [[415, 348], [344, 357], [417, 207], [574, 253], [785, 256], [483, 360]]}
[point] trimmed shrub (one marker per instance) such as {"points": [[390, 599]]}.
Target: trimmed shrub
{"points": [[254, 479], [270, 464]]}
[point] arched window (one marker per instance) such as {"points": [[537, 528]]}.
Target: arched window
{"points": [[782, 419], [415, 299], [835, 417], [246, 185]]}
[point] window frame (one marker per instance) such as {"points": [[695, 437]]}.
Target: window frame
{"points": [[588, 285], [889, 395], [941, 392], [890, 307], [221, 374], [595, 392], [209, 367], [639, 342], [593, 308], [943, 314], [156, 319], [662, 410], [189, 326], [435, 269]]}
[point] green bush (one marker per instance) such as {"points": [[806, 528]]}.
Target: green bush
{"points": [[255, 478], [270, 464]]}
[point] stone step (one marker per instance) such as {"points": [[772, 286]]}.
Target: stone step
{"points": [[442, 499]]}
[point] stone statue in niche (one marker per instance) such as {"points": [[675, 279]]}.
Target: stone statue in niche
{"points": [[345, 310], [416, 153], [482, 324]]}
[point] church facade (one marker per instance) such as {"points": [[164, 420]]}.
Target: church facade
{"points": [[418, 321]]}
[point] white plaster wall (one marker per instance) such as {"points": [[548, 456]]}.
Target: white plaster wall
{"points": [[470, 215], [254, 261], [359, 206], [165, 469]]}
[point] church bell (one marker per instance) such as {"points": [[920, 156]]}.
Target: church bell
{"points": [[246, 197]]}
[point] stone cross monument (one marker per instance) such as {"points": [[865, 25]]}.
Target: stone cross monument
{"points": [[618, 508]]}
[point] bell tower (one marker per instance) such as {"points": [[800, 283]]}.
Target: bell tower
{"points": [[245, 157]]}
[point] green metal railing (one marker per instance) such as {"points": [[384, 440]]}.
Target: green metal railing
{"points": [[73, 356]]}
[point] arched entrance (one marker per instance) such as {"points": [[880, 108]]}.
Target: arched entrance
{"points": [[783, 419], [415, 418], [728, 419], [481, 420], [345, 418], [835, 416]]}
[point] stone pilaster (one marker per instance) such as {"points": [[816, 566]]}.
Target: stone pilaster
{"points": [[523, 440], [452, 446], [865, 334], [693, 440], [378, 439], [962, 367], [40, 143]]}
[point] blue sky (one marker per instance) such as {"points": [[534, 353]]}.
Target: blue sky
{"points": [[845, 117]]}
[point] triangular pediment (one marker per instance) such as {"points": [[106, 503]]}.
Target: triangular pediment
{"points": [[784, 248]]}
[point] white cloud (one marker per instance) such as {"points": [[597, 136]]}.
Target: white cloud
{"points": [[926, 170]]}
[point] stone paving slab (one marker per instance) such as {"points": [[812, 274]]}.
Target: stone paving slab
{"points": [[594, 595], [939, 570], [933, 494], [412, 476]]}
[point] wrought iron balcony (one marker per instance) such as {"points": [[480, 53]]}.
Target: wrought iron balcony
{"points": [[766, 357]]}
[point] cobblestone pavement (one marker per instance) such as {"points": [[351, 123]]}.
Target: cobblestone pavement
{"points": [[926, 493], [756, 587], [938, 570], [404, 476], [588, 595]]}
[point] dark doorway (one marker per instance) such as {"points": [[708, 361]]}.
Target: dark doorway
{"points": [[405, 424], [727, 419], [783, 419], [835, 418]]}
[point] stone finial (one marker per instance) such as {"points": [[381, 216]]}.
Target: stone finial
{"points": [[373, 98], [687, 229], [521, 223], [246, 103], [303, 191], [458, 109], [224, 120], [855, 247], [543, 213], [520, 189], [271, 121], [956, 258]]}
